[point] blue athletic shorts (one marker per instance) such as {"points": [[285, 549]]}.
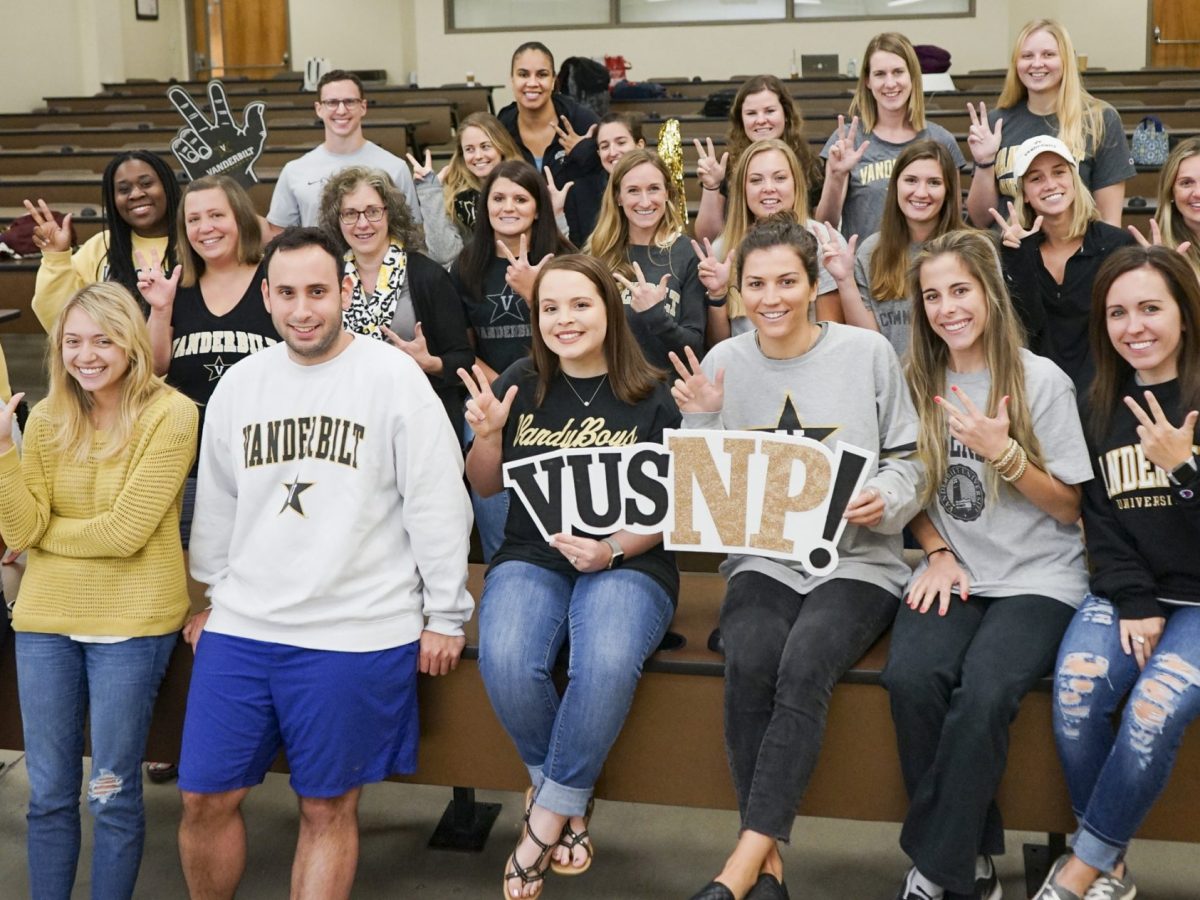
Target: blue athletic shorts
{"points": [[342, 719]]}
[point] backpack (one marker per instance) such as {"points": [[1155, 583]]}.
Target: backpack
{"points": [[718, 103], [584, 81], [17, 239]]}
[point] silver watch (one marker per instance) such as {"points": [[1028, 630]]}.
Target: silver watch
{"points": [[618, 554]]}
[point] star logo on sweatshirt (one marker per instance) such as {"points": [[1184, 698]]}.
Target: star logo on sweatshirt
{"points": [[294, 490], [216, 369], [505, 306], [789, 423]]}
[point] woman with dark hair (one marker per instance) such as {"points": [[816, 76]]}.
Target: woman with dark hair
{"points": [[619, 133], [1136, 638], [613, 594], [141, 200], [762, 110], [556, 135]]}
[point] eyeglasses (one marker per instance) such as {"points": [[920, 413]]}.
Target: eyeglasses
{"points": [[351, 103], [373, 214]]}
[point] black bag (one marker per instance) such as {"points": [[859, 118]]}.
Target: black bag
{"points": [[584, 81], [718, 103]]}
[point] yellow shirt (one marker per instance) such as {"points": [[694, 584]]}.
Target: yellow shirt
{"points": [[102, 534], [5, 386]]}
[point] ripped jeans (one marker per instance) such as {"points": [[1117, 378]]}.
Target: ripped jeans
{"points": [[1114, 776], [59, 681]]}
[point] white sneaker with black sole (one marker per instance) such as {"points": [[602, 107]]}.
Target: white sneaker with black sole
{"points": [[914, 888], [987, 887]]}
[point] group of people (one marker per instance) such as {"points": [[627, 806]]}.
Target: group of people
{"points": [[402, 328]]}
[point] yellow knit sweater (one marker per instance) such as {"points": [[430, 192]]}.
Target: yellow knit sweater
{"points": [[103, 535]]}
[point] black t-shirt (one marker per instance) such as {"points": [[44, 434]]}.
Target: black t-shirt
{"points": [[563, 413], [500, 321], [679, 320]]}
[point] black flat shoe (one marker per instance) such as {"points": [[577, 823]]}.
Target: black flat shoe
{"points": [[768, 887], [714, 890]]}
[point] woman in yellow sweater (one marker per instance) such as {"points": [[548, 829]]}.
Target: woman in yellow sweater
{"points": [[95, 500]]}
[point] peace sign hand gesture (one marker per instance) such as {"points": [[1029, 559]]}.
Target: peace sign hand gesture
{"points": [[421, 171], [713, 272], [156, 286], [8, 412], [709, 169], [567, 136], [986, 435], [843, 154], [983, 141], [1165, 445], [48, 234], [693, 392], [642, 294], [1156, 238], [485, 414], [837, 256], [521, 274], [417, 348], [558, 198], [1012, 232], [200, 140]]}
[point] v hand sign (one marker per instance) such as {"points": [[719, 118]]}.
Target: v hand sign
{"points": [[219, 146]]}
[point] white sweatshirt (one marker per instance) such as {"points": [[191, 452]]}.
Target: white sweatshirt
{"points": [[330, 510]]}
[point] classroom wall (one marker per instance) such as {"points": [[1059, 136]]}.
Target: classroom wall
{"points": [[373, 39]]}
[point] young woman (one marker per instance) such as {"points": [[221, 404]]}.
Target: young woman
{"points": [[141, 200], [494, 278], [767, 181], [557, 134], [639, 237], [921, 204], [95, 499], [399, 295], [618, 133], [1004, 456], [613, 594], [890, 104], [1054, 242], [1137, 635], [762, 110], [1043, 94], [212, 315], [1178, 216], [789, 635]]}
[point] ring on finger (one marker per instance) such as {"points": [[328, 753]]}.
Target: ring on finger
{"points": [[1139, 638]]}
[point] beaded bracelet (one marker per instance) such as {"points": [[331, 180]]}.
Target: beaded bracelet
{"points": [[1005, 459], [1010, 478]]}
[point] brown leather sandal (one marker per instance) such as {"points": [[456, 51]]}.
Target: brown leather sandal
{"points": [[528, 875], [571, 839]]}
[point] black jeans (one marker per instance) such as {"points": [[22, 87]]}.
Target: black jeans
{"points": [[956, 682], [784, 652]]}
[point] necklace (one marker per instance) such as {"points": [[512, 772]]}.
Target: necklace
{"points": [[588, 401]]}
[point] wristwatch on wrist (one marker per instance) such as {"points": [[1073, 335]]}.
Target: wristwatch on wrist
{"points": [[715, 302], [1184, 473], [618, 554]]}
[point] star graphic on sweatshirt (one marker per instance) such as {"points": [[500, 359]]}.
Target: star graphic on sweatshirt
{"points": [[505, 306], [294, 490], [216, 369], [789, 422]]}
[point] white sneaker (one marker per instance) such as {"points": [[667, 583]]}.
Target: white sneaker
{"points": [[914, 888], [1110, 887]]}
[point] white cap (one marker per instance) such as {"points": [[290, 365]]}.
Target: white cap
{"points": [[1035, 147]]}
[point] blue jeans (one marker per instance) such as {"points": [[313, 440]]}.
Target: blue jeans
{"points": [[1115, 776], [59, 680], [613, 619]]}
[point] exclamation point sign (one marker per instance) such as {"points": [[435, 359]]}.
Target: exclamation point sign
{"points": [[850, 466]]}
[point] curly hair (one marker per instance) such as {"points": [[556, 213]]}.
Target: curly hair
{"points": [[400, 222]]}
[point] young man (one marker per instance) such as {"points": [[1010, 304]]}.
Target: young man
{"points": [[332, 527], [341, 105]]}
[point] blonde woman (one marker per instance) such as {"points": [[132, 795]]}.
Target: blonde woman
{"points": [[95, 499], [1043, 94], [1177, 222]]}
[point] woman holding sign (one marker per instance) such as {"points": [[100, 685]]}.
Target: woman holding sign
{"points": [[612, 595], [1004, 456], [789, 634]]}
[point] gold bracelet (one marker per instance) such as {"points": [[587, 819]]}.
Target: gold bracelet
{"points": [[1020, 469], [1004, 460]]}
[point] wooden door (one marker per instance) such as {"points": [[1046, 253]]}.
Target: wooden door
{"points": [[1174, 34], [239, 38]]}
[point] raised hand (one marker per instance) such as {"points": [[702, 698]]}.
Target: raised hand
{"points": [[986, 435], [485, 414], [844, 153], [1156, 238], [421, 171], [8, 414], [709, 169], [693, 392], [642, 294], [837, 256], [1012, 232], [712, 272], [153, 283], [983, 140], [521, 273], [48, 234], [1165, 445], [558, 198], [417, 348], [567, 136], [942, 579], [219, 146]]}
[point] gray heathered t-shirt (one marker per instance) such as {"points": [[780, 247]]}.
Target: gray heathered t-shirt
{"points": [[847, 387], [1110, 163], [867, 191], [1006, 544], [297, 196], [892, 314]]}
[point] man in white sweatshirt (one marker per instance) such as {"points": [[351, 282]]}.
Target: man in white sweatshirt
{"points": [[332, 527]]}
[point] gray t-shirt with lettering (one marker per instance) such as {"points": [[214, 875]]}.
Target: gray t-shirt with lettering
{"points": [[892, 314]]}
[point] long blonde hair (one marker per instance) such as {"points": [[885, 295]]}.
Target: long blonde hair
{"points": [[929, 357], [1174, 230], [609, 242], [458, 177], [863, 104], [1080, 115], [1083, 209], [119, 318]]}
